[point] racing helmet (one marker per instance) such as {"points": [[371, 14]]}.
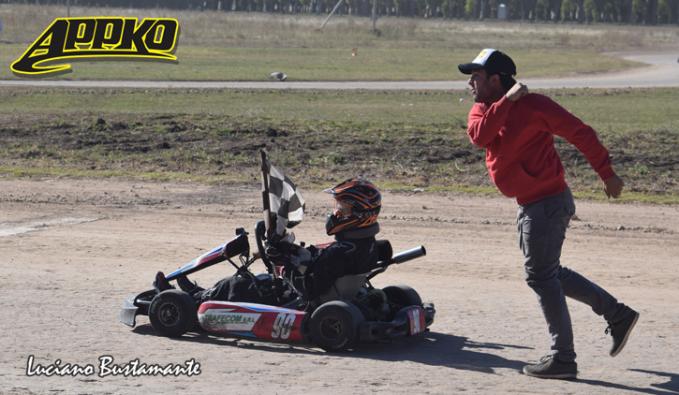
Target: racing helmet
{"points": [[357, 205]]}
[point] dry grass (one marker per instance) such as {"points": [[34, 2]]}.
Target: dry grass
{"points": [[22, 23], [249, 46]]}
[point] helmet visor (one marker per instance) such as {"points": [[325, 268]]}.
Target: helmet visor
{"points": [[341, 209]]}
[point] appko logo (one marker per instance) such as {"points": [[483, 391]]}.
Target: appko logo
{"points": [[97, 37]]}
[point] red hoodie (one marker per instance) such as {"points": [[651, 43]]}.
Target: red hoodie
{"points": [[519, 142]]}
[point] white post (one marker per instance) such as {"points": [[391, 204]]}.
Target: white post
{"points": [[331, 13], [374, 16]]}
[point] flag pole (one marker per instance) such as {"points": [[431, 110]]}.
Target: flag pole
{"points": [[265, 194]]}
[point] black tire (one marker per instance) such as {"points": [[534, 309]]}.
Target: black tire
{"points": [[334, 325], [402, 296], [172, 313]]}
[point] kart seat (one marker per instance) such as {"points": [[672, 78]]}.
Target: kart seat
{"points": [[384, 252], [346, 287]]}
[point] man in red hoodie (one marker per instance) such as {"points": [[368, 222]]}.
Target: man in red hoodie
{"points": [[517, 130]]}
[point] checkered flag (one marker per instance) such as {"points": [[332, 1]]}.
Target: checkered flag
{"points": [[283, 204]]}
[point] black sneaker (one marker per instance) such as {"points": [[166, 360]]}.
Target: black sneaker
{"points": [[187, 286], [620, 330], [161, 283], [550, 367]]}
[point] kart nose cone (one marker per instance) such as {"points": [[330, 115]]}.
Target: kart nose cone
{"points": [[128, 313]]}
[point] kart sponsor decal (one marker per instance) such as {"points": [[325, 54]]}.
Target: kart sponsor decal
{"points": [[282, 326], [416, 318], [97, 37], [264, 308], [227, 320], [252, 319], [243, 307], [216, 253]]}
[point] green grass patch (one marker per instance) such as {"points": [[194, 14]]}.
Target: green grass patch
{"points": [[404, 140], [610, 111], [198, 63], [631, 197]]}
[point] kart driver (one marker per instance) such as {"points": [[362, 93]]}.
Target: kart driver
{"points": [[354, 224]]}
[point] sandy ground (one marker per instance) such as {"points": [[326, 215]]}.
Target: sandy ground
{"points": [[72, 250]]}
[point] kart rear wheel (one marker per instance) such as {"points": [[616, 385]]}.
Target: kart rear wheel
{"points": [[172, 313], [334, 325], [402, 296]]}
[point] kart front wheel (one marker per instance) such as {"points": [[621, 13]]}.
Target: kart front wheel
{"points": [[334, 325], [172, 313]]}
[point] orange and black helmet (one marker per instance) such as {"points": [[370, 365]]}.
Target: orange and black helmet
{"points": [[358, 204]]}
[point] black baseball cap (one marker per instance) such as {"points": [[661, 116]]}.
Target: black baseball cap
{"points": [[491, 60]]}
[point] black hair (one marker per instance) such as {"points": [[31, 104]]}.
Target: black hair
{"points": [[507, 81]]}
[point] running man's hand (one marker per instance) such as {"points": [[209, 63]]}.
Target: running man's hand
{"points": [[517, 91], [613, 186]]}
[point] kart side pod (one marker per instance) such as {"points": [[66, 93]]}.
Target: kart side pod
{"points": [[252, 320]]}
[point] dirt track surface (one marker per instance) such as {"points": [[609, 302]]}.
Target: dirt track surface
{"points": [[662, 71], [72, 250]]}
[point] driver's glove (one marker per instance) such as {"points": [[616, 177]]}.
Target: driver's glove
{"points": [[301, 259], [273, 252], [288, 238]]}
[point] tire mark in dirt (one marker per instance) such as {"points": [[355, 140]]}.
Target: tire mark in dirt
{"points": [[15, 228]]}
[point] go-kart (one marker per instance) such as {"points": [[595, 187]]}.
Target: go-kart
{"points": [[276, 305]]}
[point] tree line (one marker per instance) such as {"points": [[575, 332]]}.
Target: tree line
{"points": [[648, 12]]}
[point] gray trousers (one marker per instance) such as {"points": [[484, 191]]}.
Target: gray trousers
{"points": [[542, 230]]}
